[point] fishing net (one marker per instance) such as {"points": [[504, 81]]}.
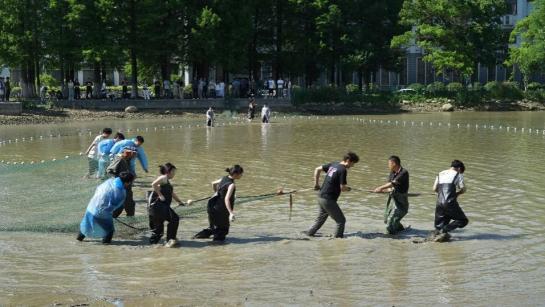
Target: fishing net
{"points": [[52, 196]]}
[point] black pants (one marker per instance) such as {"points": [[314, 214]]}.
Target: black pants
{"points": [[128, 205], [445, 213], [219, 218], [159, 213], [329, 207]]}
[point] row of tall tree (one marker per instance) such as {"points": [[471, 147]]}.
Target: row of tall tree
{"points": [[295, 37]]}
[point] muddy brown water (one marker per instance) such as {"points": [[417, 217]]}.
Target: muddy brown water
{"points": [[498, 259]]}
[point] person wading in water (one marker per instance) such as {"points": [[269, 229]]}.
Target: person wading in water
{"points": [[398, 186], [449, 184], [221, 209], [160, 210], [334, 183], [98, 220]]}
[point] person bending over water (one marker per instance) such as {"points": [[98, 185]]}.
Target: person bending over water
{"points": [[104, 148], [449, 184], [221, 207], [160, 210], [98, 220], [334, 183]]}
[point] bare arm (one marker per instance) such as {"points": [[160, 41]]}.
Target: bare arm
{"points": [[230, 192], [384, 187], [156, 185], [176, 198], [215, 185], [345, 188], [90, 147], [317, 173]]}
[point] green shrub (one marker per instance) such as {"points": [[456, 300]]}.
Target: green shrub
{"points": [[505, 90], [477, 86], [352, 89], [419, 88], [534, 86], [48, 80], [29, 104], [436, 88], [455, 87], [468, 98], [535, 95]]}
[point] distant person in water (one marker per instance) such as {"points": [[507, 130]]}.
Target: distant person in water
{"points": [[98, 220], [398, 187], [265, 114], [210, 117], [160, 210], [221, 207], [334, 183], [449, 184], [92, 151]]}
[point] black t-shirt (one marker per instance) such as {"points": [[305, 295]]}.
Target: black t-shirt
{"points": [[400, 180], [335, 176]]}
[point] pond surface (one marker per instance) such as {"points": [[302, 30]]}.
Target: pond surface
{"points": [[498, 259]]}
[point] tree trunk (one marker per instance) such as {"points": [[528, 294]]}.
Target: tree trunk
{"points": [[96, 79], [134, 74]]}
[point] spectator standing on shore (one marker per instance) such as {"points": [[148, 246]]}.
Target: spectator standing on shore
{"points": [[236, 88], [200, 87], [176, 89], [124, 89], [156, 89], [166, 88], [77, 90], [104, 90], [194, 88], [88, 89], [280, 88], [212, 89], [289, 88], [7, 85], [43, 93], [270, 85], [70, 85], [2, 89], [145, 91]]}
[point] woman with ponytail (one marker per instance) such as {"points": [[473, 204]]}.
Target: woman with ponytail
{"points": [[221, 210], [160, 210]]}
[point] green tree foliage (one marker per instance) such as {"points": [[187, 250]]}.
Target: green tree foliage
{"points": [[21, 39], [296, 38], [529, 55], [454, 35]]}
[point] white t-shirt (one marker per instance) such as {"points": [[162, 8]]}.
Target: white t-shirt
{"points": [[93, 153], [271, 84], [280, 83], [447, 176], [209, 115], [265, 112]]}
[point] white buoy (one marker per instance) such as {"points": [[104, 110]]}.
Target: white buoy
{"points": [[31, 162], [42, 161], [66, 157], [54, 160]]}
